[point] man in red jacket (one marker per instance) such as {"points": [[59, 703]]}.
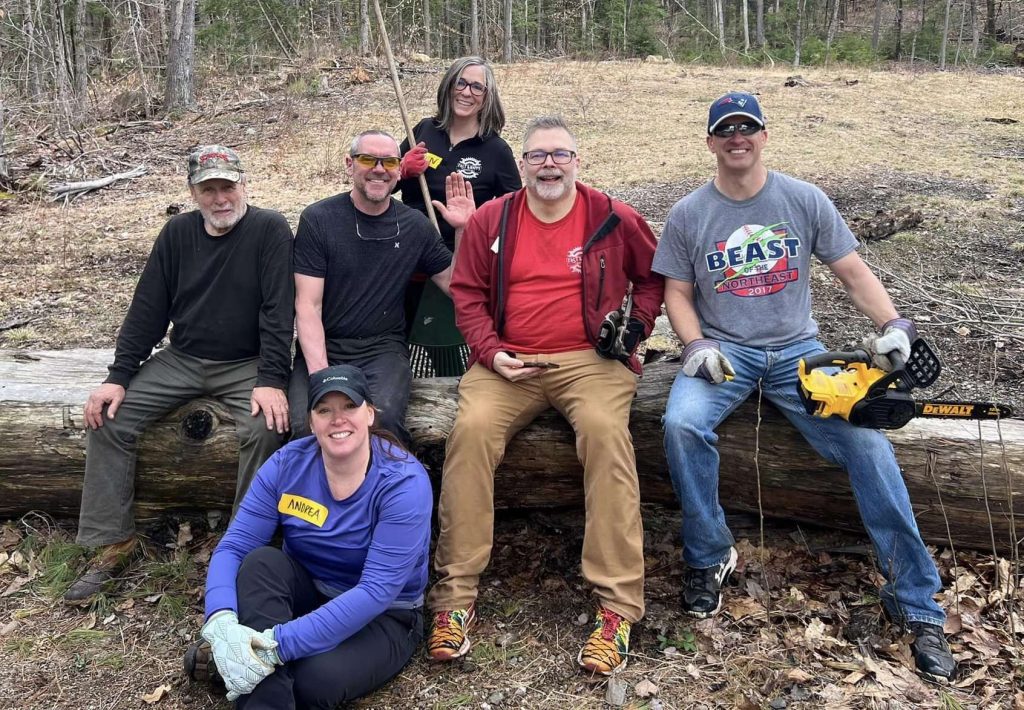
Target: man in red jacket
{"points": [[538, 272]]}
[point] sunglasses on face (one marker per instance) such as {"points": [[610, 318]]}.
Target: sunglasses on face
{"points": [[558, 157], [370, 161], [475, 87], [744, 129]]}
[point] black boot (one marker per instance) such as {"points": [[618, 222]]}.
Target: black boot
{"points": [[931, 652]]}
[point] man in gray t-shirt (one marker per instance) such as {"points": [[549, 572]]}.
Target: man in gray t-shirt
{"points": [[736, 254]]}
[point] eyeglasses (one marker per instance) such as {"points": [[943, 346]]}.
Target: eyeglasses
{"points": [[371, 161], [475, 87], [729, 130], [558, 157]]}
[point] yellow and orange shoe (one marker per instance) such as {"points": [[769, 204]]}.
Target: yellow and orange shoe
{"points": [[449, 639], [608, 646]]}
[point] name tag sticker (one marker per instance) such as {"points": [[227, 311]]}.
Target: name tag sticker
{"points": [[303, 509], [494, 245], [434, 161]]}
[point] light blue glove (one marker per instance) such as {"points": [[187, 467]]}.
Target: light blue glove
{"points": [[897, 336], [266, 647], [241, 653]]}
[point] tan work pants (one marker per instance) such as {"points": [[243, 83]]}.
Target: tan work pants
{"points": [[594, 395]]}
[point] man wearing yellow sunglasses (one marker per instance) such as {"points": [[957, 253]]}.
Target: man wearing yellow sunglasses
{"points": [[354, 254]]}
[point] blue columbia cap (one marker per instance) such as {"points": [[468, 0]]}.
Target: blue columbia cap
{"points": [[347, 379], [735, 103]]}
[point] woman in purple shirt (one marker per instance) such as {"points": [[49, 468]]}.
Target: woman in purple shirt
{"points": [[337, 611]]}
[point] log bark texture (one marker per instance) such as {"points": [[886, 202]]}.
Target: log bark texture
{"points": [[959, 479]]}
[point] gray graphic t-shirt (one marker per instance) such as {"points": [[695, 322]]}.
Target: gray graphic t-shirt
{"points": [[749, 261]]}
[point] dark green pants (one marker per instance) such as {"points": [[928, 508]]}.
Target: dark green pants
{"points": [[166, 381]]}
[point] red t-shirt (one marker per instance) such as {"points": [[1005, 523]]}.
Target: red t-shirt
{"points": [[544, 310]]}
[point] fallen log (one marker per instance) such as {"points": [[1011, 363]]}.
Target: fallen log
{"points": [[187, 461]]}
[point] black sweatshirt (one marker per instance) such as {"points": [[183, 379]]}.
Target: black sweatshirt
{"points": [[487, 162], [230, 297]]}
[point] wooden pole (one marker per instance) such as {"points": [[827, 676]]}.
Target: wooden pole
{"points": [[401, 108]]}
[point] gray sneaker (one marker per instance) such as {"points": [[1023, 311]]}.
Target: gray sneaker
{"points": [[702, 588]]}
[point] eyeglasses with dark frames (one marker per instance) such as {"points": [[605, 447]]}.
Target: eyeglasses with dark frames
{"points": [[370, 162], [475, 87], [558, 157], [747, 128]]}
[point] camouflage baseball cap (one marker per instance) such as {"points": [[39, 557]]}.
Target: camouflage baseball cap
{"points": [[209, 162]]}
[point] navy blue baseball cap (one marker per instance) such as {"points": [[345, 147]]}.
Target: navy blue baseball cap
{"points": [[735, 103], [347, 379]]}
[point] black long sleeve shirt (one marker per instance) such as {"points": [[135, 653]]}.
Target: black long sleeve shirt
{"points": [[229, 297], [487, 162]]}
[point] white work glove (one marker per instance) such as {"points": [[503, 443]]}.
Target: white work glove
{"points": [[896, 337], [702, 358], [241, 654]]}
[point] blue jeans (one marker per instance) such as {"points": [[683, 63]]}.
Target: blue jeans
{"points": [[696, 408]]}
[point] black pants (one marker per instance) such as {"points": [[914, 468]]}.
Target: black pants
{"points": [[388, 376], [273, 589]]}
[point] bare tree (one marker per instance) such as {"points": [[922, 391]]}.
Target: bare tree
{"points": [[474, 27], [506, 52], [832, 25], [33, 65], [720, 23], [801, 7], [426, 26], [945, 35], [898, 50], [746, 26], [877, 26], [759, 24], [364, 27], [81, 64], [179, 89]]}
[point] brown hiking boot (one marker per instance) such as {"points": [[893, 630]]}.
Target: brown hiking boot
{"points": [[106, 563]]}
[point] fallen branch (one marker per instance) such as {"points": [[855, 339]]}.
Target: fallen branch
{"points": [[71, 190]]}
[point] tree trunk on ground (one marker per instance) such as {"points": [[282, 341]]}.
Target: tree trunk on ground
{"points": [[188, 460], [179, 89]]}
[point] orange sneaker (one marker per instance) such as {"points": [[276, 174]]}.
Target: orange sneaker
{"points": [[449, 639], [608, 646]]}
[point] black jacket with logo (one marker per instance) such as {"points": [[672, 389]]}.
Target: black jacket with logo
{"points": [[487, 162]]}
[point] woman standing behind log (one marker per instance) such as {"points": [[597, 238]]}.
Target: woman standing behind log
{"points": [[464, 136], [341, 602]]}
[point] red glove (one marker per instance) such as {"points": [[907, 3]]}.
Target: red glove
{"points": [[414, 162]]}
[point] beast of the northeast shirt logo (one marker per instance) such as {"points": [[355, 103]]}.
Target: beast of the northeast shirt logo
{"points": [[303, 508], [574, 260], [754, 260]]}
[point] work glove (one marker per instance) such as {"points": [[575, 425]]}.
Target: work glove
{"points": [[414, 162], [632, 335], [702, 358], [896, 337], [241, 653]]}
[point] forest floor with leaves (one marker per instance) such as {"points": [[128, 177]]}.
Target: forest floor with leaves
{"points": [[801, 626]]}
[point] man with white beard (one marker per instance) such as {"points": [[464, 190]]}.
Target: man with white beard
{"points": [[221, 275], [539, 271]]}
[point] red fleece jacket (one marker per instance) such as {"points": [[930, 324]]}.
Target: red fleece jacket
{"points": [[617, 249]]}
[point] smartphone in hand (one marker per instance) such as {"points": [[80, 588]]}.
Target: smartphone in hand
{"points": [[542, 365]]}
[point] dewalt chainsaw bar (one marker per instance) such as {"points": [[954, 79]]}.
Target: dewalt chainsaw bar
{"points": [[870, 397]]}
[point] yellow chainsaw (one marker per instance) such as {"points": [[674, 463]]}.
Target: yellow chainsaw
{"points": [[871, 397]]}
